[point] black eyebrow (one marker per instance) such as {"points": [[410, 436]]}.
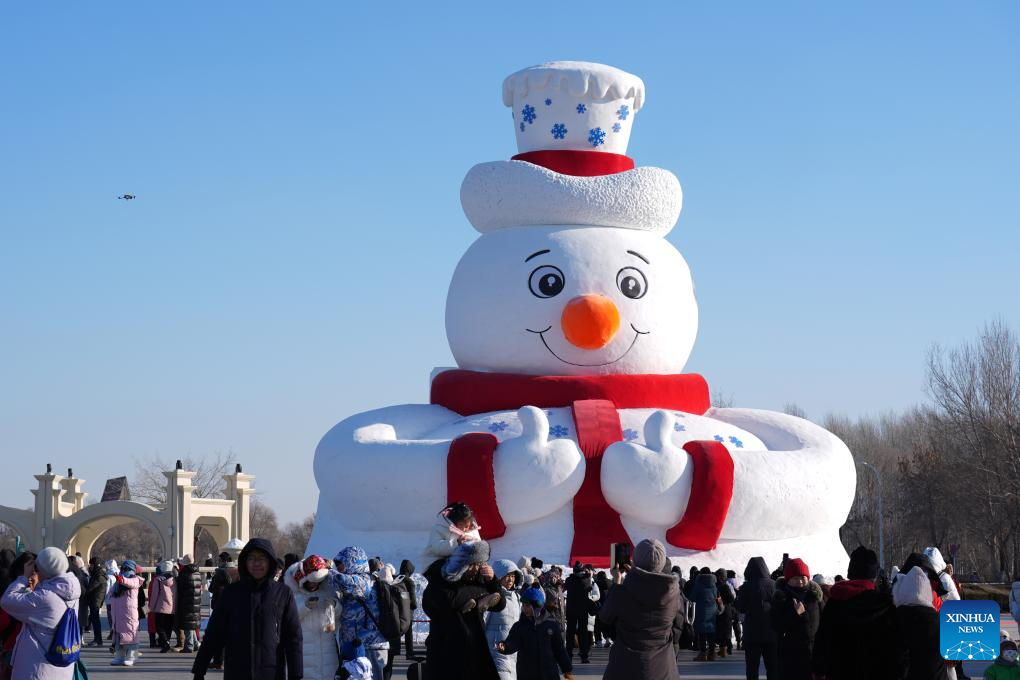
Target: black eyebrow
{"points": [[640, 256], [543, 252]]}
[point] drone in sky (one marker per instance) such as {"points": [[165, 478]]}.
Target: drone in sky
{"points": [[127, 197]]}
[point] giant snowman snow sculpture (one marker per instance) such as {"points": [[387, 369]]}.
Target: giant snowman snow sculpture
{"points": [[568, 425]]}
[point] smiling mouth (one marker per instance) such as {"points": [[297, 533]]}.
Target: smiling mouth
{"points": [[542, 333]]}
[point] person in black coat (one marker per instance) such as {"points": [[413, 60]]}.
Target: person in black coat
{"points": [[255, 622], [407, 572], [188, 602], [461, 588], [724, 620], [578, 587], [796, 608], [917, 628], [536, 640], [93, 596], [857, 632], [754, 601]]}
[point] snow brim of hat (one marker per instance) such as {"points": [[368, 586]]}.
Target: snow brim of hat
{"points": [[517, 193]]}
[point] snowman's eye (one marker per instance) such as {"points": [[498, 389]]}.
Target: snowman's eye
{"points": [[632, 282], [546, 281]]}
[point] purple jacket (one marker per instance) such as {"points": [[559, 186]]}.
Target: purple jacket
{"points": [[40, 611]]}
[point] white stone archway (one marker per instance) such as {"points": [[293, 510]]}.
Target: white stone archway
{"points": [[60, 517]]}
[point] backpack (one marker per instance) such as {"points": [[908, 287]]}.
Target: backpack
{"points": [[394, 609], [65, 647]]}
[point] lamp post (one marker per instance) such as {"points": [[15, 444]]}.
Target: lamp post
{"points": [[881, 517]]}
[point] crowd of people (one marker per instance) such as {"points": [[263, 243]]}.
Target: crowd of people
{"points": [[279, 618]]}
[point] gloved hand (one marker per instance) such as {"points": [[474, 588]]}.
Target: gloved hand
{"points": [[568, 676]]}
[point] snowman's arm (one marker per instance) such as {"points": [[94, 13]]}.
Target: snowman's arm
{"points": [[378, 473], [801, 484]]}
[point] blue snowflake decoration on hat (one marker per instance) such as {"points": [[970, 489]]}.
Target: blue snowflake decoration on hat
{"points": [[528, 113], [581, 108], [623, 112], [719, 438], [498, 426], [630, 435], [548, 102], [522, 127], [736, 442], [678, 427], [616, 127], [597, 137], [559, 131]]}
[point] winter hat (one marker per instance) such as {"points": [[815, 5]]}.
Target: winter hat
{"points": [[1006, 644], [912, 589], [128, 567], [463, 557], [352, 650], [578, 569], [863, 564], [1003, 635], [166, 567], [224, 556], [51, 562], [795, 567], [534, 596], [312, 570], [650, 555], [185, 560]]}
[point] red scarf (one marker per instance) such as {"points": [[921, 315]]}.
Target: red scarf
{"points": [[595, 401]]}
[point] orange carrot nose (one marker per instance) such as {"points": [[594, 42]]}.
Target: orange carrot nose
{"points": [[590, 321]]}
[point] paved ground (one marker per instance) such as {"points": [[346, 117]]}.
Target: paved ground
{"points": [[173, 666]]}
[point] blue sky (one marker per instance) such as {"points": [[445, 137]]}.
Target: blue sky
{"points": [[849, 175]]}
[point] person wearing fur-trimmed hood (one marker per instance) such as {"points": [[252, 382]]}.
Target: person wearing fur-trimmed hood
{"points": [[941, 568], [498, 623], [317, 609], [460, 589]]}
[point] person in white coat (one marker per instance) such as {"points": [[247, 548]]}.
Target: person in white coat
{"points": [[939, 563], [317, 608], [497, 624], [112, 569]]}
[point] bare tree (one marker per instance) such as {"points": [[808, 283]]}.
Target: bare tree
{"points": [[262, 520], [295, 536], [148, 484], [722, 399], [791, 409]]}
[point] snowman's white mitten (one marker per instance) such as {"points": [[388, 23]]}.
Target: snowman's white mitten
{"points": [[649, 483], [535, 476]]}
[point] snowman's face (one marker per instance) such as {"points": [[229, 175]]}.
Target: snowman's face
{"points": [[571, 301]]}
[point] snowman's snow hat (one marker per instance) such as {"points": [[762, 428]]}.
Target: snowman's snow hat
{"points": [[572, 120]]}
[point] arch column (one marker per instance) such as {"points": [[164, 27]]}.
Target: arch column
{"points": [[47, 509], [181, 520], [239, 489]]}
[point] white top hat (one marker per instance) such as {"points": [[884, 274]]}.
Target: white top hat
{"points": [[573, 105], [572, 120]]}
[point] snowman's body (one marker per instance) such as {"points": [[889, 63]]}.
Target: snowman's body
{"points": [[592, 296], [391, 485]]}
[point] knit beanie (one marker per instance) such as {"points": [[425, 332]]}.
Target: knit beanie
{"points": [[795, 567], [650, 555], [863, 564], [51, 562]]}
